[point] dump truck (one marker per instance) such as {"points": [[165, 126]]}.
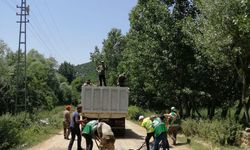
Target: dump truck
{"points": [[106, 103]]}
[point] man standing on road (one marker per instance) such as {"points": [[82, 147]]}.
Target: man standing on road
{"points": [[101, 69], [173, 124], [160, 133], [106, 136], [88, 132], [66, 122], [147, 124], [75, 129]]}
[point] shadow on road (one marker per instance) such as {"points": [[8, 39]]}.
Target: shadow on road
{"points": [[180, 144], [130, 134]]}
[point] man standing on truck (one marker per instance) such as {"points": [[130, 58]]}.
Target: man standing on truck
{"points": [[121, 80], [147, 124], [66, 122], [75, 128], [101, 69]]}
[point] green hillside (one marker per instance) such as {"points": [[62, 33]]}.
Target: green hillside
{"points": [[87, 71]]}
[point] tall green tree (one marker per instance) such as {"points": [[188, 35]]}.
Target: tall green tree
{"points": [[144, 59], [112, 51], [223, 28], [68, 71]]}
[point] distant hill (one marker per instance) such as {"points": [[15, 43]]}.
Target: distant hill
{"points": [[88, 71]]}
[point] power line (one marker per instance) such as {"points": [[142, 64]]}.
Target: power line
{"points": [[65, 46], [44, 32], [7, 3]]}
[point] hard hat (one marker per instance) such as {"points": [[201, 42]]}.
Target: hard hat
{"points": [[173, 109], [141, 117]]}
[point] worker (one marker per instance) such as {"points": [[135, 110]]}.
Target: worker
{"points": [[88, 131], [66, 122], [121, 80], [173, 124], [147, 124], [87, 83], [106, 136], [160, 133], [75, 128], [101, 69]]}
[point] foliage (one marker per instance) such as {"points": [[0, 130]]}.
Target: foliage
{"points": [[219, 131], [9, 131], [43, 81], [28, 129], [68, 71], [87, 71], [134, 112], [77, 87], [67, 92], [111, 54]]}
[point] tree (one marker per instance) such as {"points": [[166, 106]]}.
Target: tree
{"points": [[145, 57], [223, 28], [112, 52], [67, 70], [96, 57]]}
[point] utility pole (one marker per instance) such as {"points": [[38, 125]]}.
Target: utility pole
{"points": [[21, 66]]}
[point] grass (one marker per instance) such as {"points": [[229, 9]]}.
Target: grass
{"points": [[197, 144], [38, 131]]}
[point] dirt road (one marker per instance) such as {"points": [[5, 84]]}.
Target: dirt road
{"points": [[133, 139]]}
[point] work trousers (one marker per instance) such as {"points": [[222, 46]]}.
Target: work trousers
{"points": [[89, 142], [102, 79], [75, 131], [161, 138], [147, 139], [172, 132], [66, 129]]}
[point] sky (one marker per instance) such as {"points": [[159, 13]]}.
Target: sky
{"points": [[67, 30]]}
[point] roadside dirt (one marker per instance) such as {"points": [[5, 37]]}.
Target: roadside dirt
{"points": [[132, 140]]}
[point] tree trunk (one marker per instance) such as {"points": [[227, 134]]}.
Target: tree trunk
{"points": [[238, 110], [224, 112], [243, 98]]}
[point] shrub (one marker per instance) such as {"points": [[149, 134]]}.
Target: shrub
{"points": [[224, 132], [9, 132], [134, 112]]}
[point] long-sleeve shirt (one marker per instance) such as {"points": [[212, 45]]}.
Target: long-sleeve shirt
{"points": [[147, 124]]}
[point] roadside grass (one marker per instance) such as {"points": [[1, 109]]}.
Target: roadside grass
{"points": [[45, 124], [197, 144]]}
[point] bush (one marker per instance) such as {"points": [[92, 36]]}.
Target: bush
{"points": [[134, 112], [224, 132], [9, 131], [16, 130]]}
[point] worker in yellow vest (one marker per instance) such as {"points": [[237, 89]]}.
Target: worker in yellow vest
{"points": [[147, 124]]}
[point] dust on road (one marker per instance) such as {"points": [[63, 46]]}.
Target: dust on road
{"points": [[133, 139]]}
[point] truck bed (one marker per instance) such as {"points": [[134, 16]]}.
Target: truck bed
{"points": [[104, 102]]}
